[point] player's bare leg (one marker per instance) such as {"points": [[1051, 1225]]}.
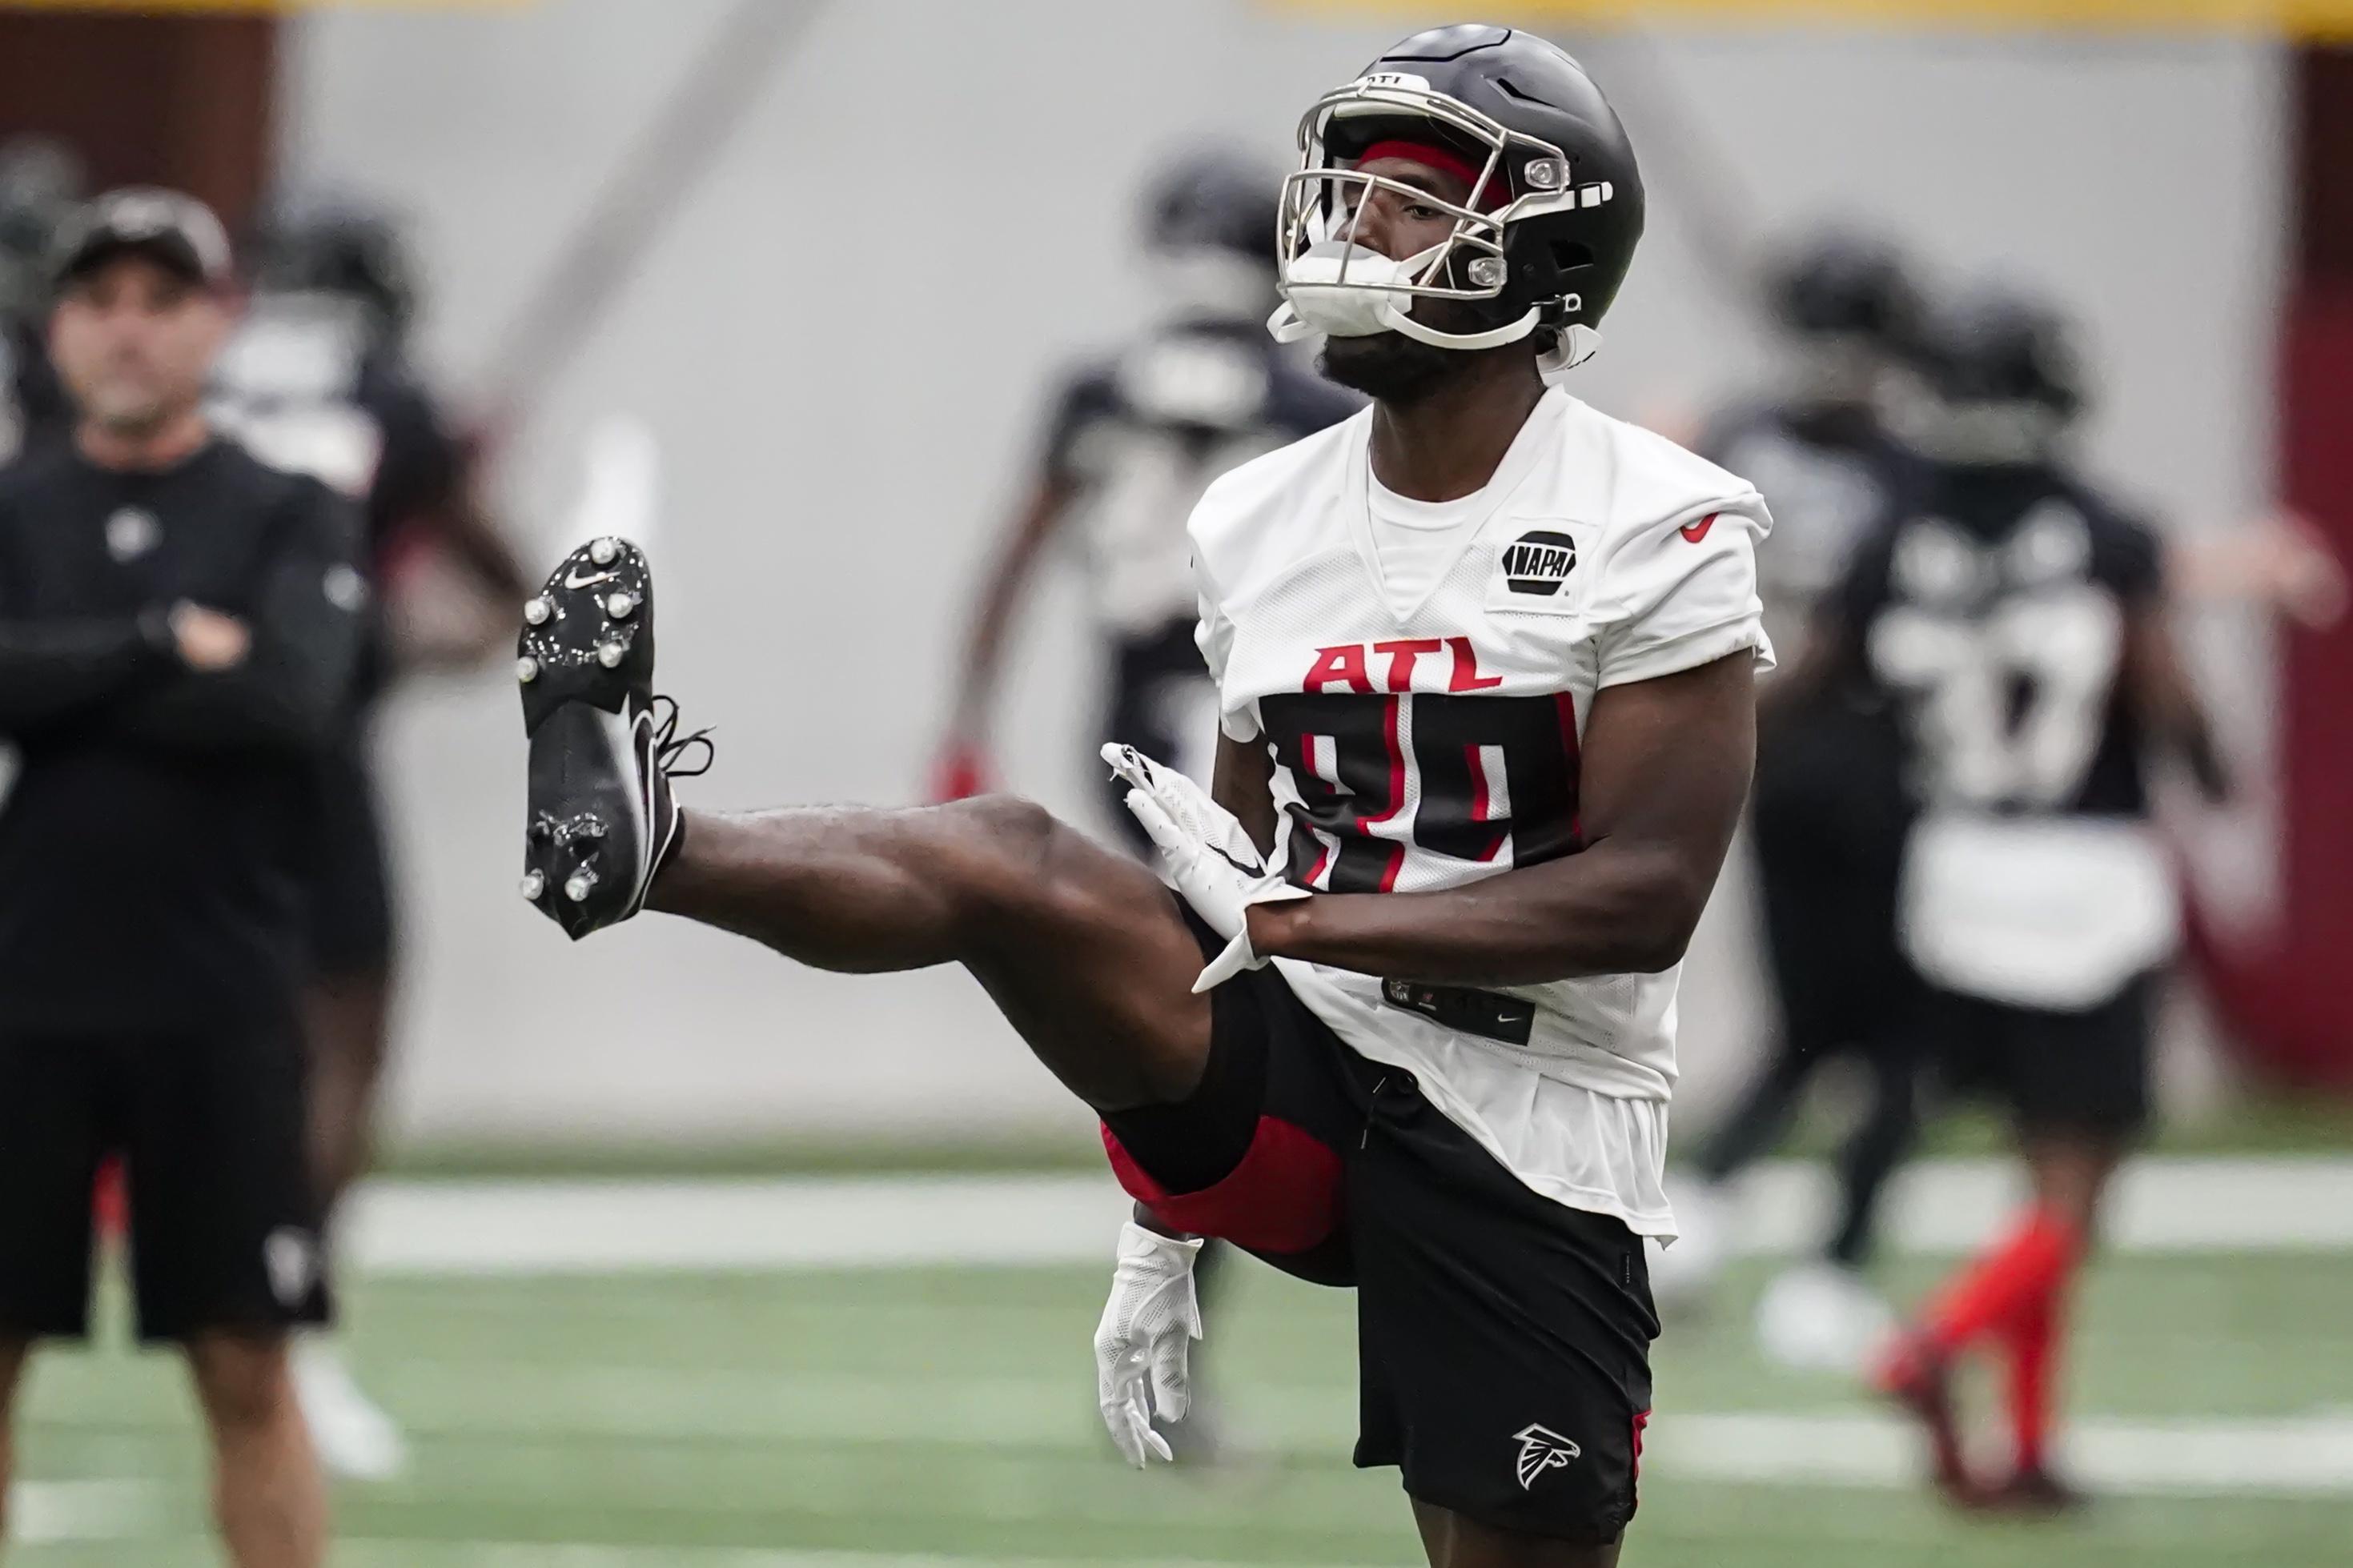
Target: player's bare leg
{"points": [[2071, 1172], [2013, 1294], [268, 1495], [1082, 949], [12, 1355], [1452, 1541], [349, 1024], [348, 1016]]}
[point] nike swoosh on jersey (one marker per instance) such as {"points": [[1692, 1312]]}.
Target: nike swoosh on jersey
{"points": [[577, 581], [1696, 531]]}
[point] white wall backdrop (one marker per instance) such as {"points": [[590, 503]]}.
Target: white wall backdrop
{"points": [[841, 345]]}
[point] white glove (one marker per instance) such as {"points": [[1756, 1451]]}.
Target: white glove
{"points": [[1205, 855], [1141, 1344]]}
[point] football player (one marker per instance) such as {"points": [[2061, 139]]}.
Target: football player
{"points": [[1486, 663], [1827, 822], [318, 380], [40, 186], [2017, 620], [1134, 442]]}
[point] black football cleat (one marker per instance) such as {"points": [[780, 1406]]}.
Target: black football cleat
{"points": [[2035, 1493], [600, 821]]}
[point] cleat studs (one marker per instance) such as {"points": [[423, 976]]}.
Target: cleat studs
{"points": [[533, 884], [526, 668], [576, 887], [603, 551], [537, 611], [610, 654], [621, 606]]}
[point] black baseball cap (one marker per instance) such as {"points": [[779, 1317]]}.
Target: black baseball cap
{"points": [[174, 230]]}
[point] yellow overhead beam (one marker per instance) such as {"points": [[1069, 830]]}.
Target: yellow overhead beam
{"points": [[256, 7], [2323, 19]]}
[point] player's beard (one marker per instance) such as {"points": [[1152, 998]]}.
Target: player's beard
{"points": [[1389, 367]]}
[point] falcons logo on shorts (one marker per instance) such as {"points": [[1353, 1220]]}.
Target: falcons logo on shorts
{"points": [[1542, 1449]]}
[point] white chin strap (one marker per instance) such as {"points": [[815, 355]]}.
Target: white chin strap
{"points": [[1317, 302]]}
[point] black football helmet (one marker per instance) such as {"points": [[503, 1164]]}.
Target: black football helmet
{"points": [[1845, 285], [335, 244], [2004, 379], [1543, 240], [1848, 314], [1206, 220], [1211, 199]]}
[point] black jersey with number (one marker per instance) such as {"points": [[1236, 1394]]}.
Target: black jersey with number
{"points": [[1993, 613], [308, 386], [1137, 437], [1831, 479]]}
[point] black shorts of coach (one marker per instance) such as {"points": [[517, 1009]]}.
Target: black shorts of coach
{"points": [[1502, 1338], [210, 1125]]}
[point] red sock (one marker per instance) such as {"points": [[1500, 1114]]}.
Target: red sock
{"points": [[2033, 1337], [1992, 1293], [111, 1201]]}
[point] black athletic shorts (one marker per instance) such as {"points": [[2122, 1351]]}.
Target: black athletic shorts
{"points": [[211, 1129], [1503, 1339], [2081, 1072], [349, 884]]}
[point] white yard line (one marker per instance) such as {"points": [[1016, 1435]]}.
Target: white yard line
{"points": [[2309, 1456], [61, 1512], [2163, 1206]]}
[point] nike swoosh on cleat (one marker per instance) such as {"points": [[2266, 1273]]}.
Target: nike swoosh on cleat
{"points": [[577, 581]]}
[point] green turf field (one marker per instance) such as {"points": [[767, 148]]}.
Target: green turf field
{"points": [[936, 1419]]}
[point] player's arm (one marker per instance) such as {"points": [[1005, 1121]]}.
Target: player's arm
{"points": [[2158, 690], [428, 484], [962, 766], [1665, 768], [462, 519], [289, 689], [1012, 569]]}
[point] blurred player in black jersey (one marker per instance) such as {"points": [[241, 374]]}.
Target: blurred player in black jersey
{"points": [[2018, 622], [1134, 440], [1827, 812], [318, 380], [40, 184]]}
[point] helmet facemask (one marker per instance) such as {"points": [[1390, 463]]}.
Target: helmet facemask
{"points": [[1333, 284]]}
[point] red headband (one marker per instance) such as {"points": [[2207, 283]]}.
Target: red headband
{"points": [[1445, 160]]}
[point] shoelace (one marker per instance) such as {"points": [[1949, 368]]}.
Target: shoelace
{"points": [[669, 745]]}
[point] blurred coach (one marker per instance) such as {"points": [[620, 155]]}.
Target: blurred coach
{"points": [[177, 625]]}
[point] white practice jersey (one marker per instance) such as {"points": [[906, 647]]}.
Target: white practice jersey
{"points": [[1426, 746]]}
